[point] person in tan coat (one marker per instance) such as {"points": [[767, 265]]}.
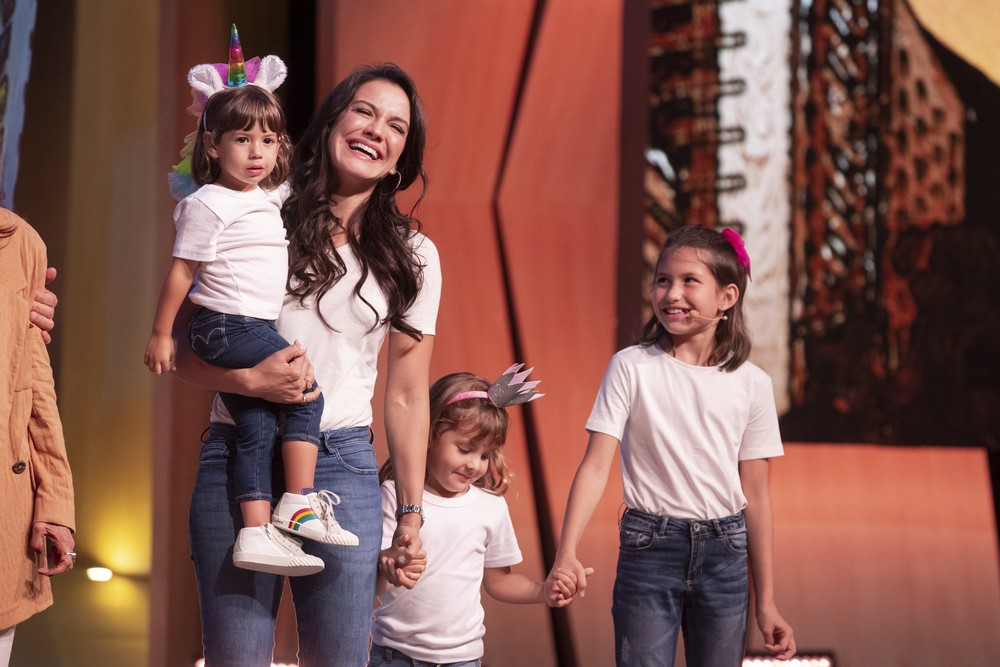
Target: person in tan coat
{"points": [[36, 486]]}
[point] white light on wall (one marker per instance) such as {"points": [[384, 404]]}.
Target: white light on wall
{"points": [[797, 661], [99, 574]]}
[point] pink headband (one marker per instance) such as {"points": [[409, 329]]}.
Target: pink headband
{"points": [[508, 389], [736, 241]]}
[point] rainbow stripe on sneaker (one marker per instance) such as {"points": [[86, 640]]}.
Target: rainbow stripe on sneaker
{"points": [[301, 517]]}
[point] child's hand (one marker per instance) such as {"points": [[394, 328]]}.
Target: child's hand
{"points": [[399, 567], [779, 638], [160, 354], [561, 586]]}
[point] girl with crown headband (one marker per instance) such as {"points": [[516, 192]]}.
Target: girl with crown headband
{"points": [[361, 276], [469, 537], [231, 246], [696, 425]]}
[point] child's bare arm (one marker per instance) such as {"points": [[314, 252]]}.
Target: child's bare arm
{"points": [[585, 494], [160, 351], [507, 586], [779, 638]]}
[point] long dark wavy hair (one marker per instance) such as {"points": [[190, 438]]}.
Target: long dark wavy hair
{"points": [[732, 337], [378, 233], [477, 418], [240, 109]]}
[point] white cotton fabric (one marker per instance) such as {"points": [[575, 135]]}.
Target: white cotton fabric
{"points": [[239, 239], [440, 620], [345, 359], [683, 431]]}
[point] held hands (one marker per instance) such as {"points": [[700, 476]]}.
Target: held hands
{"points": [[779, 638], [560, 587], [43, 309], [60, 552], [399, 566]]}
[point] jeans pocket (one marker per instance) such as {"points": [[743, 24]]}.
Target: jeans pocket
{"points": [[207, 332], [215, 451], [356, 455], [634, 536], [736, 542]]}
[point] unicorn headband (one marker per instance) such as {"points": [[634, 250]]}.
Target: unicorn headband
{"points": [[205, 80], [508, 389]]}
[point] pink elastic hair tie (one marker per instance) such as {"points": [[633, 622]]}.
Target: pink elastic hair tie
{"points": [[736, 241]]}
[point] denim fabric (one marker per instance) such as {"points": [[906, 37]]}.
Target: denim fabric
{"points": [[333, 607], [390, 657], [681, 574], [236, 341]]}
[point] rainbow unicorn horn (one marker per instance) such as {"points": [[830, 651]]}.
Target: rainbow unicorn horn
{"points": [[237, 71]]}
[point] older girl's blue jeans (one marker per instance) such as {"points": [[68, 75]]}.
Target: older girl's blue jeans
{"points": [[332, 608], [687, 575], [237, 341]]}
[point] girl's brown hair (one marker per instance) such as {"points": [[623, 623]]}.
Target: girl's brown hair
{"points": [[241, 109], [477, 418], [732, 337]]}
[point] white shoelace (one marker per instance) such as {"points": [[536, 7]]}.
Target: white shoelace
{"points": [[287, 541], [323, 503]]}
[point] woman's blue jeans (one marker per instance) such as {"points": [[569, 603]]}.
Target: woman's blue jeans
{"points": [[237, 341], [688, 575], [333, 608]]}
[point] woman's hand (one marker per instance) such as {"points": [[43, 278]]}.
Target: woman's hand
{"points": [[284, 377], [43, 309], [60, 551]]}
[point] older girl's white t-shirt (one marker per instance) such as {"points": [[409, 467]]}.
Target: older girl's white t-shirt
{"points": [[684, 429]]}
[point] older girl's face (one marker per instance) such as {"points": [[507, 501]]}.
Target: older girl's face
{"points": [[367, 140]]}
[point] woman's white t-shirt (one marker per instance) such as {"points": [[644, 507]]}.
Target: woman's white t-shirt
{"points": [[345, 359]]}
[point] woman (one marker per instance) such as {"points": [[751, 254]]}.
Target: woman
{"points": [[357, 272], [37, 488]]}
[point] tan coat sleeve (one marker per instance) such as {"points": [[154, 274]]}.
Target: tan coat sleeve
{"points": [[50, 465]]}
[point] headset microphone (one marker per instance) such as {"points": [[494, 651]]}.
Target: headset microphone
{"points": [[695, 313]]}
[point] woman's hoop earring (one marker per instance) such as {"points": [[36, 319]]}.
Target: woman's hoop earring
{"points": [[399, 181]]}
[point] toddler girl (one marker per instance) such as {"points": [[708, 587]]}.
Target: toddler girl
{"points": [[231, 246]]}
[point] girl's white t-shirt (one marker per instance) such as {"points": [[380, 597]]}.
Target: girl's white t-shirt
{"points": [[684, 429], [441, 619], [239, 240], [345, 359]]}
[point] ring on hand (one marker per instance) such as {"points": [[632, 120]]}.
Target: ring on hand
{"points": [[71, 554]]}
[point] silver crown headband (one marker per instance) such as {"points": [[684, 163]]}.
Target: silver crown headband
{"points": [[508, 389]]}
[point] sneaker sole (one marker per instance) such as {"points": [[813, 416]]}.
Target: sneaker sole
{"points": [[283, 567]]}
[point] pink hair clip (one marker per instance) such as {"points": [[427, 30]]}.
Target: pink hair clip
{"points": [[508, 389], [736, 241]]}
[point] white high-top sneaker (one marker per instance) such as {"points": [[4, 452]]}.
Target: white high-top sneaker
{"points": [[264, 549], [311, 516]]}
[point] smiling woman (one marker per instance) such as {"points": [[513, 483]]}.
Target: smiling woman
{"points": [[360, 274]]}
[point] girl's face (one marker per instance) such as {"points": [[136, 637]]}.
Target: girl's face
{"points": [[455, 464], [368, 139], [686, 294], [246, 157]]}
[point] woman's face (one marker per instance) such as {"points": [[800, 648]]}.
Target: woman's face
{"points": [[368, 139]]}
